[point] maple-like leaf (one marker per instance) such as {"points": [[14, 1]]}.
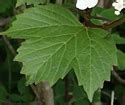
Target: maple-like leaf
{"points": [[56, 42]]}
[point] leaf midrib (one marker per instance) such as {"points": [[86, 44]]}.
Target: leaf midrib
{"points": [[36, 27]]}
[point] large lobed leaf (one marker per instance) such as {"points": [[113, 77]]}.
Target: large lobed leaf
{"points": [[56, 42]]}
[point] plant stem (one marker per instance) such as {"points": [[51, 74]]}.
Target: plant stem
{"points": [[59, 2], [117, 77], [86, 14], [112, 97], [10, 47], [9, 73]]}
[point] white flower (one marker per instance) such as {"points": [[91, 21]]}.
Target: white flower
{"points": [[117, 12], [84, 4], [118, 5]]}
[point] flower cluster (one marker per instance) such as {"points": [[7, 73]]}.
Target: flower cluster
{"points": [[84, 4], [118, 5]]}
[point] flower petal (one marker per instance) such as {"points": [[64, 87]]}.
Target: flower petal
{"points": [[84, 4]]}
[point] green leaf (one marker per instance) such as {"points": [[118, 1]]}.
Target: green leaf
{"points": [[6, 5], [119, 92], [56, 42], [96, 21], [15, 98], [80, 96], [3, 94], [59, 93], [96, 11], [22, 88], [35, 2], [121, 59], [109, 14], [118, 39], [97, 96], [27, 97]]}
